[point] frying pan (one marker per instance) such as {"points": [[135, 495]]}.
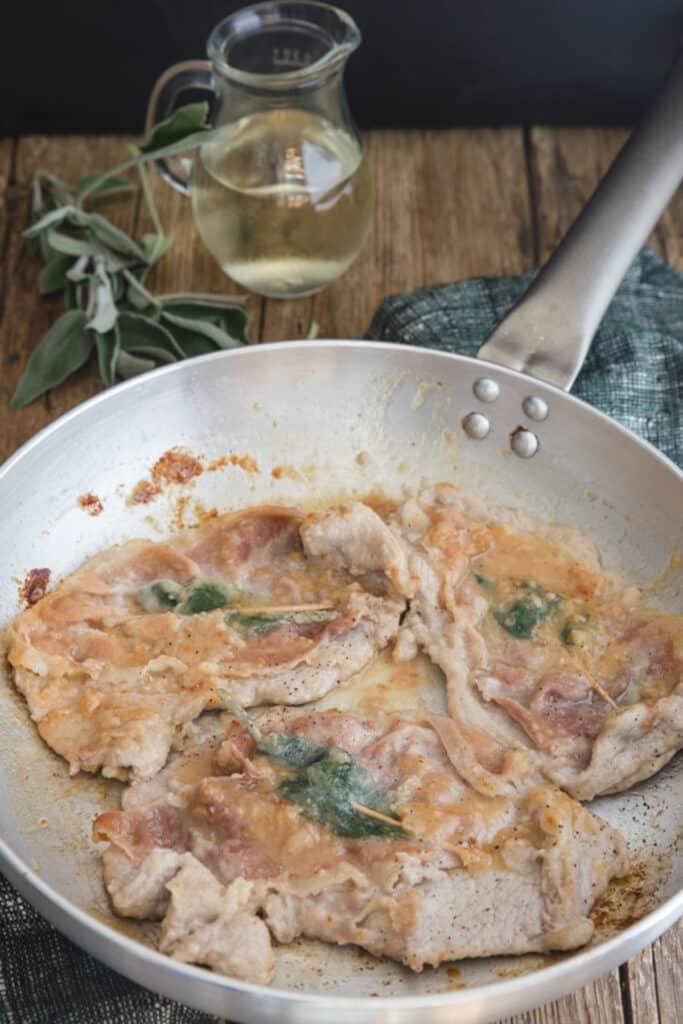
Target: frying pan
{"points": [[329, 419]]}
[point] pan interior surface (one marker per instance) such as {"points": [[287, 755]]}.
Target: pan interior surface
{"points": [[310, 423]]}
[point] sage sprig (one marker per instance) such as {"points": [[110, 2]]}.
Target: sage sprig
{"points": [[109, 311]]}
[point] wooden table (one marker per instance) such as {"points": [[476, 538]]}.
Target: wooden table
{"points": [[449, 205]]}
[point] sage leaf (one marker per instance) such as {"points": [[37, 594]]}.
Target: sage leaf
{"points": [[155, 245], [136, 293], [44, 248], [160, 595], [101, 271], [191, 344], [291, 749], [108, 346], [161, 355], [63, 350], [80, 270], [207, 596], [327, 790], [104, 186], [128, 365], [204, 328], [532, 605], [102, 308], [55, 217], [48, 192], [182, 123], [73, 296], [53, 276], [227, 312], [118, 287], [139, 332], [37, 198], [211, 303], [114, 238], [70, 246]]}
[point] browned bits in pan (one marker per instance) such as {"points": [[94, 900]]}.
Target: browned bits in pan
{"points": [[35, 584], [173, 467], [91, 504]]}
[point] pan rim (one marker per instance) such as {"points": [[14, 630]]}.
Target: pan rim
{"points": [[247, 351], [28, 881]]}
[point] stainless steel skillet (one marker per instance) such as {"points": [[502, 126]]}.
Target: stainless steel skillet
{"points": [[327, 419]]}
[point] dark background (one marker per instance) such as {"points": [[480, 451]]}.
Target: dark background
{"points": [[89, 65]]}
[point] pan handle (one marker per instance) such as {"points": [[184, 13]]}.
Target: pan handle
{"points": [[548, 333]]}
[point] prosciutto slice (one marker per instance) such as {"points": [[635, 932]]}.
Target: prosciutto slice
{"points": [[554, 669], [213, 849], [120, 655]]}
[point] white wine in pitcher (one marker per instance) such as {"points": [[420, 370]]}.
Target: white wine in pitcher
{"points": [[282, 199]]}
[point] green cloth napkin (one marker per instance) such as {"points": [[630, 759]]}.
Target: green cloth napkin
{"points": [[634, 372]]}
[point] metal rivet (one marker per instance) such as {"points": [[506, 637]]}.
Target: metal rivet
{"points": [[476, 426], [486, 390], [535, 408], [523, 443]]}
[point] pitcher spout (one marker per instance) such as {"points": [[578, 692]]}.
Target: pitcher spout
{"points": [[276, 46]]}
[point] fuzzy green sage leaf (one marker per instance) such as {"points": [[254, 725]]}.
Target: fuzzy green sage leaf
{"points": [[140, 334], [327, 783], [128, 365], [63, 350], [183, 122], [53, 276], [204, 328], [108, 346], [101, 271], [104, 186], [56, 217], [104, 312], [532, 605], [327, 790]]}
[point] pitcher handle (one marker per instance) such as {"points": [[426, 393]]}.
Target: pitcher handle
{"points": [[548, 333], [179, 78]]}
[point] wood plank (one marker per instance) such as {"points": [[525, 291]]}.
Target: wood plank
{"points": [[567, 164], [668, 235], [640, 988], [654, 980], [599, 1003], [27, 315], [448, 204], [189, 266], [668, 960]]}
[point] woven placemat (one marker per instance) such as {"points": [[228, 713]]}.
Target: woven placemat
{"points": [[634, 372]]}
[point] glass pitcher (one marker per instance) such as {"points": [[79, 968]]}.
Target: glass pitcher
{"points": [[282, 195]]}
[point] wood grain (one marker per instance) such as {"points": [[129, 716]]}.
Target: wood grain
{"points": [[640, 988], [448, 204], [566, 166], [668, 959], [599, 1003]]}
